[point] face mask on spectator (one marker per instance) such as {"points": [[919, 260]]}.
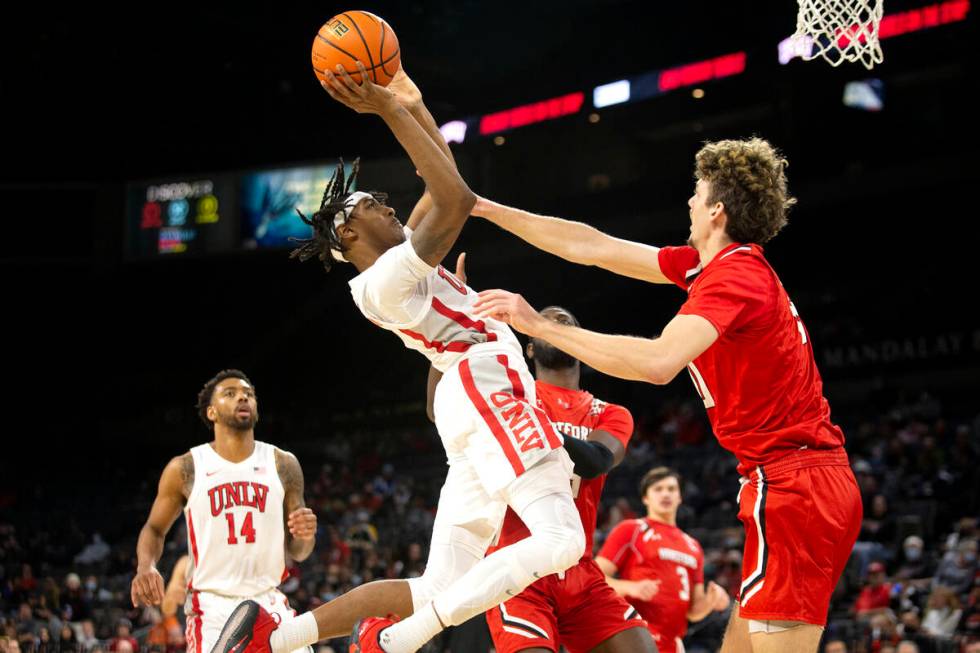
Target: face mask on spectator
{"points": [[912, 553]]}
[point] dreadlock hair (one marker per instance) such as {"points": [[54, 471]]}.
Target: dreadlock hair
{"points": [[204, 396], [325, 237]]}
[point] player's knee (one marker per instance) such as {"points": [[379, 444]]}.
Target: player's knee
{"points": [[427, 587], [566, 542]]}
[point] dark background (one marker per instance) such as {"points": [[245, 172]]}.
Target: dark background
{"points": [[104, 355]]}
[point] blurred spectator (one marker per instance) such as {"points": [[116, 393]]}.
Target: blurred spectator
{"points": [[957, 571], [943, 612], [907, 646], [67, 641], [878, 532], [875, 598], [87, 637], [124, 642], [881, 631], [95, 552], [915, 563]]}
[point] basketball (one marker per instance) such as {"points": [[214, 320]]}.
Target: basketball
{"points": [[354, 36]]}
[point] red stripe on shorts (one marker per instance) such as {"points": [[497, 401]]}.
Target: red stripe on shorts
{"points": [[489, 418], [198, 635], [513, 376]]}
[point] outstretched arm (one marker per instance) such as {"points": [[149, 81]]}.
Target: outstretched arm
{"points": [[452, 199], [576, 241], [627, 357], [175, 484]]}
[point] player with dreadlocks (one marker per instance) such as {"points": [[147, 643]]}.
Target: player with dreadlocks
{"points": [[501, 449]]}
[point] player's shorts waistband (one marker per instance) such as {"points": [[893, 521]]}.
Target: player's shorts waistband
{"points": [[799, 459]]}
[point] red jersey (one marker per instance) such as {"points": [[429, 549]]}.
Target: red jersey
{"points": [[645, 549], [574, 413], [758, 380]]}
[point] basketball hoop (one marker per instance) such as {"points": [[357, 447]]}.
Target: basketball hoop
{"points": [[840, 30]]}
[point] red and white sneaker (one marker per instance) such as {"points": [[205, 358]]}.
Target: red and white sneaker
{"points": [[247, 630], [366, 637]]}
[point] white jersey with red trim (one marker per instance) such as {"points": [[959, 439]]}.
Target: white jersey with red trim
{"points": [[235, 526], [428, 308]]}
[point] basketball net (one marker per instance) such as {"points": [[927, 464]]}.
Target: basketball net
{"points": [[840, 30]]}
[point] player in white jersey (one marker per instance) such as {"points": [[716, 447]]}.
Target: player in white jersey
{"points": [[501, 449], [238, 496]]}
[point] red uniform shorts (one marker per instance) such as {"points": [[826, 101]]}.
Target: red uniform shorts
{"points": [[579, 611], [802, 515]]}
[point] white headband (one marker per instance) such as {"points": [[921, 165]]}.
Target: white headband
{"points": [[340, 217]]}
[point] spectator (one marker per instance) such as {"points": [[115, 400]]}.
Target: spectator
{"points": [[881, 632], [87, 638], [875, 598], [907, 646], [943, 613], [878, 532], [67, 641], [916, 564], [124, 642], [95, 552], [956, 572]]}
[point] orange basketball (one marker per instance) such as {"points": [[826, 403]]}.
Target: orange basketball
{"points": [[354, 36]]}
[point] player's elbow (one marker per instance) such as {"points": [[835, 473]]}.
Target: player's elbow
{"points": [[659, 373]]}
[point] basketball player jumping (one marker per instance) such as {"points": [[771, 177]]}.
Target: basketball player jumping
{"points": [[660, 568], [243, 501], [502, 450], [751, 360], [576, 609]]}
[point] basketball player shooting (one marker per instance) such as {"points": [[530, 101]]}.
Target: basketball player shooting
{"points": [[751, 360], [501, 449], [243, 502]]}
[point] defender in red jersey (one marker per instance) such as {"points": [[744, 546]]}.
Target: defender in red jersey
{"points": [[751, 360], [658, 567], [576, 609]]}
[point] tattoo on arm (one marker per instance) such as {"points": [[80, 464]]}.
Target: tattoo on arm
{"points": [[187, 473], [291, 476]]}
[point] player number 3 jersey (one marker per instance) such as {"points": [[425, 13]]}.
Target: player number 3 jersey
{"points": [[235, 524]]}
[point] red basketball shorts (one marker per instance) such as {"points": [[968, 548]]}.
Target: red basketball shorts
{"points": [[802, 515], [579, 611]]}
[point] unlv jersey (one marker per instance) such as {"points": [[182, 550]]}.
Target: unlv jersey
{"points": [[758, 380], [235, 525], [428, 308], [645, 549], [574, 413]]}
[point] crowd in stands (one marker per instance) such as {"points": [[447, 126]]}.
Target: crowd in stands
{"points": [[912, 583]]}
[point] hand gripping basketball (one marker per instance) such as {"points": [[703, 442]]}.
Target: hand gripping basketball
{"points": [[366, 97]]}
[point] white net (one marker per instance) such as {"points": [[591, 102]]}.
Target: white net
{"points": [[840, 30]]}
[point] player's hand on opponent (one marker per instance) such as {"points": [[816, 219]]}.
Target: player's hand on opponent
{"points": [[366, 97], [510, 308], [718, 597], [405, 90], [302, 524], [645, 589], [147, 588], [461, 267]]}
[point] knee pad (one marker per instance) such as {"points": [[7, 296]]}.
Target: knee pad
{"points": [[564, 542]]}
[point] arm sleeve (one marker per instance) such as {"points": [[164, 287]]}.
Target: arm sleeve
{"points": [[591, 458], [676, 262], [728, 299], [617, 547], [391, 287]]}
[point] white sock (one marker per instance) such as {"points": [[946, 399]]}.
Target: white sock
{"points": [[295, 634], [411, 634]]}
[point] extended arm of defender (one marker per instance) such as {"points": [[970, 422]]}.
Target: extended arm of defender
{"points": [[576, 241], [147, 586], [655, 361], [596, 455]]}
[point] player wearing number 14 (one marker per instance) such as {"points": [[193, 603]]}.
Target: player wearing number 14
{"points": [[238, 496]]}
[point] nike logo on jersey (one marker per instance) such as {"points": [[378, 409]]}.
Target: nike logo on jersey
{"points": [[212, 473]]}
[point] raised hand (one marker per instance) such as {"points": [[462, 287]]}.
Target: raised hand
{"points": [[366, 97], [405, 90]]}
